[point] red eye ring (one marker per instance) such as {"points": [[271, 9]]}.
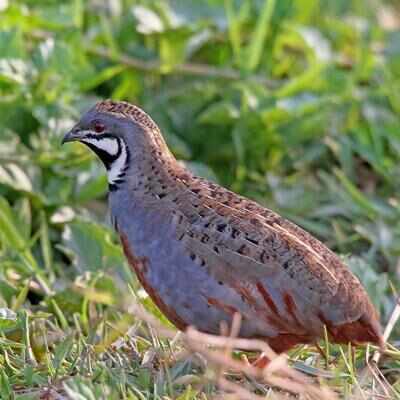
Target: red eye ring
{"points": [[98, 127]]}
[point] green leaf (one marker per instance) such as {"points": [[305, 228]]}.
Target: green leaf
{"points": [[357, 196], [13, 71], [172, 49], [148, 20], [259, 35], [6, 391], [9, 232], [91, 185], [103, 76], [15, 177], [235, 25], [11, 44], [376, 284], [7, 290], [8, 318], [219, 114], [92, 246], [13, 239], [66, 301]]}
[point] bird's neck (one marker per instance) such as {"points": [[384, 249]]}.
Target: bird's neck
{"points": [[148, 159], [149, 170]]}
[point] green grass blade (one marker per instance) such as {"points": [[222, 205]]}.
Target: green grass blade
{"points": [[259, 35]]}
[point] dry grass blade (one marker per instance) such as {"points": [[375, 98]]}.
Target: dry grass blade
{"points": [[216, 350], [237, 392], [371, 373], [192, 69], [394, 317]]}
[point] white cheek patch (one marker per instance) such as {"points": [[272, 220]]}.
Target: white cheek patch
{"points": [[115, 170], [107, 144], [118, 166]]}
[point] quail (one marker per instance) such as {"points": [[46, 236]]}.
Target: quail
{"points": [[204, 253]]}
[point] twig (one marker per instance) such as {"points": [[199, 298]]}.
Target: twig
{"points": [[239, 343], [193, 69], [371, 369], [233, 333], [388, 329]]}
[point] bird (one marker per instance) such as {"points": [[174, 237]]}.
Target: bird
{"points": [[204, 253]]}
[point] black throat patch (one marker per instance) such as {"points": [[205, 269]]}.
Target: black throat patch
{"points": [[106, 157]]}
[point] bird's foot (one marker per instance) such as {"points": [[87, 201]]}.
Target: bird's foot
{"points": [[260, 362]]}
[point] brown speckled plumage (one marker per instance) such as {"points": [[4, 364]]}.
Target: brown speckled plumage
{"points": [[210, 253], [127, 110]]}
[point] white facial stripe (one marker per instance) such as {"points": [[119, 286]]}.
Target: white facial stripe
{"points": [[118, 165], [109, 145]]}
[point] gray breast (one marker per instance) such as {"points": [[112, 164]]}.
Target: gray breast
{"points": [[180, 280]]}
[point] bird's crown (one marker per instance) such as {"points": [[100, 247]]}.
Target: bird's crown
{"points": [[127, 110]]}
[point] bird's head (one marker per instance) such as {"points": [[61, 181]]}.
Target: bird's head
{"points": [[114, 130], [108, 126]]}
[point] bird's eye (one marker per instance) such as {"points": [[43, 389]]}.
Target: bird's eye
{"points": [[98, 127]]}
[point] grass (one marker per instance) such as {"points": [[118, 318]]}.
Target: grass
{"points": [[294, 104]]}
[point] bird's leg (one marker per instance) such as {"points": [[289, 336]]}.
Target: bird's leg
{"points": [[260, 362], [322, 353]]}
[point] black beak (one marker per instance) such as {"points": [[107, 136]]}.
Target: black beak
{"points": [[72, 136]]}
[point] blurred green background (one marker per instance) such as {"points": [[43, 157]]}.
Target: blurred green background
{"points": [[293, 103]]}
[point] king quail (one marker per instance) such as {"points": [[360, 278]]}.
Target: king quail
{"points": [[204, 253]]}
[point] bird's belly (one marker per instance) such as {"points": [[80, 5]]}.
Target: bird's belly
{"points": [[184, 290]]}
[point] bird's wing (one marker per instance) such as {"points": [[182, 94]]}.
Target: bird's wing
{"points": [[284, 266]]}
